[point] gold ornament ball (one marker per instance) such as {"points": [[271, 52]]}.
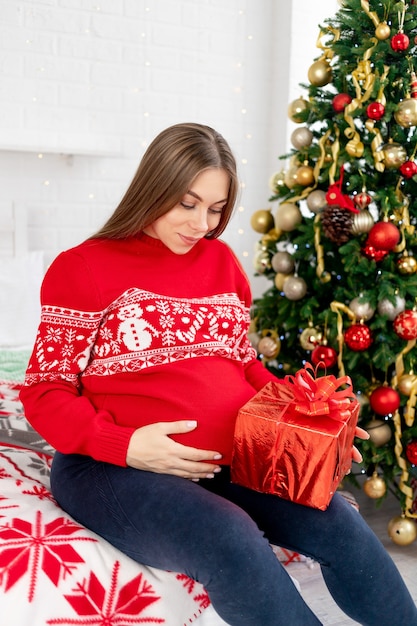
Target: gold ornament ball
{"points": [[290, 176], [320, 73], [407, 265], [305, 175], [294, 288], [362, 222], [375, 486], [288, 216], [301, 138], [316, 200], [402, 530], [269, 347], [262, 262], [262, 221], [394, 155], [310, 338], [277, 181], [279, 280], [406, 113], [283, 262], [406, 383], [382, 31], [379, 432], [296, 108]]}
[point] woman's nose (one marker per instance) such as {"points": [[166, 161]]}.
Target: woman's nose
{"points": [[199, 220]]}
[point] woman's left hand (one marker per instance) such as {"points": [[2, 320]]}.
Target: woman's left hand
{"points": [[361, 434]]}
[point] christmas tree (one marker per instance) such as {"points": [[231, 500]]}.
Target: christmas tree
{"points": [[338, 245]]}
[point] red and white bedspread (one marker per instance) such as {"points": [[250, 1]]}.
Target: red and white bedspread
{"points": [[54, 571]]}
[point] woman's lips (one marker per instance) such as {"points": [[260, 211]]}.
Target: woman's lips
{"points": [[190, 241]]}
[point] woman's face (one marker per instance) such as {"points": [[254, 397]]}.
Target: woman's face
{"points": [[195, 215]]}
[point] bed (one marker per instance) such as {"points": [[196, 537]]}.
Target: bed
{"points": [[52, 570]]}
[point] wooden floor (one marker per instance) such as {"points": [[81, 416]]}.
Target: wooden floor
{"points": [[309, 576]]}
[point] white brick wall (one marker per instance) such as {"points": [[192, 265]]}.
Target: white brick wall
{"points": [[86, 84]]}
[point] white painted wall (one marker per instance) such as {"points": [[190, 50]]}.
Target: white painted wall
{"points": [[86, 84]]}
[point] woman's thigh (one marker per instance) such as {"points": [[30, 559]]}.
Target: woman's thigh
{"points": [[309, 531], [157, 519]]}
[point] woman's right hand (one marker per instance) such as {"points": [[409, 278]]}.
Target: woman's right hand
{"points": [[152, 449]]}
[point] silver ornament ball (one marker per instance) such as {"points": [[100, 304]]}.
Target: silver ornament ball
{"points": [[283, 262], [316, 200], [301, 138], [362, 222], [363, 310], [294, 288], [391, 310]]}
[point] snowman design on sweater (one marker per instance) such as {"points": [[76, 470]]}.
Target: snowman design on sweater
{"points": [[140, 329]]}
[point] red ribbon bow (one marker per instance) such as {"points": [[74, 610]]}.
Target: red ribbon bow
{"points": [[311, 396], [334, 195]]}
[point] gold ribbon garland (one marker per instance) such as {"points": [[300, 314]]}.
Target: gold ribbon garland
{"points": [[410, 407], [338, 308], [328, 52], [398, 448], [409, 416], [409, 412], [319, 165], [322, 275], [371, 14], [363, 80], [378, 141]]}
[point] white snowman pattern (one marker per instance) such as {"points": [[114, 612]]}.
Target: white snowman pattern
{"points": [[134, 331]]}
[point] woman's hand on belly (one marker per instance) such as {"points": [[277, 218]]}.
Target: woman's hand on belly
{"points": [[152, 449]]}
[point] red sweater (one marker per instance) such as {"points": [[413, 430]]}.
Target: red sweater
{"points": [[132, 334]]}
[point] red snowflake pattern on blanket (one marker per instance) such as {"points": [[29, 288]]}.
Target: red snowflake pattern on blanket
{"points": [[97, 606], [29, 549], [54, 571]]}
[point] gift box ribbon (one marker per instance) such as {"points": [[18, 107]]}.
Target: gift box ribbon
{"points": [[308, 395]]}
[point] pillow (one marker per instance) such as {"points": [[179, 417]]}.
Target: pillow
{"points": [[13, 363], [20, 282]]}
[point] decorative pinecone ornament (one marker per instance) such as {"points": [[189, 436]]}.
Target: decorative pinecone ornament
{"points": [[336, 223]]}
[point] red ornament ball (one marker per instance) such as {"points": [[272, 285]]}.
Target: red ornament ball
{"points": [[383, 236], [324, 356], [405, 324], [411, 452], [372, 253], [340, 101], [384, 400], [358, 337], [400, 42], [375, 110], [408, 169]]}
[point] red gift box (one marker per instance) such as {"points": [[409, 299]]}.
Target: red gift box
{"points": [[294, 438]]}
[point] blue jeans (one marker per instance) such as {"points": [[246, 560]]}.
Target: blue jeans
{"points": [[218, 533]]}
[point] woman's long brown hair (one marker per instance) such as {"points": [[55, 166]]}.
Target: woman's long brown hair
{"points": [[170, 164]]}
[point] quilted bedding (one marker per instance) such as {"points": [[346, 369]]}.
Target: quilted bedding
{"points": [[54, 571]]}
